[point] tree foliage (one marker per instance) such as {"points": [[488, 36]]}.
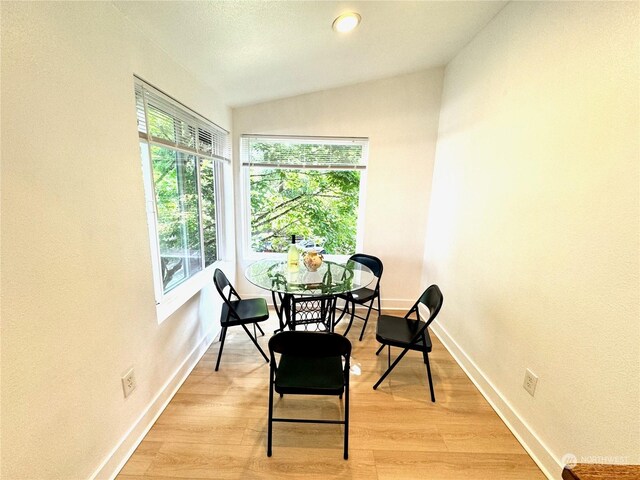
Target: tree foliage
{"points": [[305, 202], [177, 201], [180, 207]]}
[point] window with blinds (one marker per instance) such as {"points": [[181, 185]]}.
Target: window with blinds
{"points": [[165, 122], [304, 152], [309, 187], [182, 153]]}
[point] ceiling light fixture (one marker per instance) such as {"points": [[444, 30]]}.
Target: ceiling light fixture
{"points": [[346, 22]]}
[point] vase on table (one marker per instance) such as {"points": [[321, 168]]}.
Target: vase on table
{"points": [[312, 259]]}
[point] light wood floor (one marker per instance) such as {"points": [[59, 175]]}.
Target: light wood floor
{"points": [[216, 425]]}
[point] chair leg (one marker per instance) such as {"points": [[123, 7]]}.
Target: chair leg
{"points": [[332, 315], [433, 397], [344, 310], [223, 335], [270, 426], [353, 312], [366, 319], [388, 356], [380, 349], [261, 331], [278, 310], [393, 365], [255, 342], [424, 351], [346, 422]]}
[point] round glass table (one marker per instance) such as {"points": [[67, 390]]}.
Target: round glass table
{"points": [[331, 279]]}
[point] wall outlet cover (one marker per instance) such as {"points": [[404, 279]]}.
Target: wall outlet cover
{"points": [[530, 382], [128, 383]]}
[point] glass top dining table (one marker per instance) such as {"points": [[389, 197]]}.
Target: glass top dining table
{"points": [[332, 278]]}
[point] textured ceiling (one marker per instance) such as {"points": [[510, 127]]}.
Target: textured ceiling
{"points": [[253, 51]]}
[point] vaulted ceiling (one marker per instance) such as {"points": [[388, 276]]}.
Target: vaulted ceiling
{"points": [[254, 51]]}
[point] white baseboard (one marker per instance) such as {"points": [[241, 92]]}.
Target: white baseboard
{"points": [[265, 295], [130, 441], [534, 446], [401, 304]]}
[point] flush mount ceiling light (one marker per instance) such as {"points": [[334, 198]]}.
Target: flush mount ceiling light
{"points": [[346, 22]]}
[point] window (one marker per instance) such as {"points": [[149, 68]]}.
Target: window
{"points": [[304, 186], [181, 159]]}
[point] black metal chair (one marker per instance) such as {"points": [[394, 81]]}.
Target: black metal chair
{"points": [[363, 296], [239, 312], [310, 363], [313, 313], [409, 334]]}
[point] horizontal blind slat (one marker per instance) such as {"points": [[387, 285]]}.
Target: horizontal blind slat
{"points": [[169, 124], [314, 167], [304, 152]]}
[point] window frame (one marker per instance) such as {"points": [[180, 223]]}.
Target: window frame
{"points": [[168, 302], [248, 254]]}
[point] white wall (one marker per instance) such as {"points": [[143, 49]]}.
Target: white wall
{"points": [[399, 115], [77, 295], [533, 232]]}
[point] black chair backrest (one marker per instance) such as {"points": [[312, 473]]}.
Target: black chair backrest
{"points": [[374, 263], [221, 282], [310, 344], [432, 299]]}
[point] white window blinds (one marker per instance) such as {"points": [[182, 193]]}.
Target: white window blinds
{"points": [[165, 122], [304, 152]]}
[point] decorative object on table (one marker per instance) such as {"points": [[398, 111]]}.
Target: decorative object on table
{"points": [[363, 296], [312, 259], [293, 256], [238, 312], [410, 334], [311, 363]]}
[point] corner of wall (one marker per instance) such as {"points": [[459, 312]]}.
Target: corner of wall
{"points": [[531, 442]]}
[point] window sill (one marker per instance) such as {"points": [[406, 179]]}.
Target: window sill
{"points": [[177, 297]]}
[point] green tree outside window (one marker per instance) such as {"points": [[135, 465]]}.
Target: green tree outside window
{"points": [[308, 202]]}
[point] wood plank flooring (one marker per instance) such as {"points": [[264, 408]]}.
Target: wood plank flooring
{"points": [[216, 425]]}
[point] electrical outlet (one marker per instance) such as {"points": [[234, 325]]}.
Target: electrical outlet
{"points": [[530, 382], [128, 383]]}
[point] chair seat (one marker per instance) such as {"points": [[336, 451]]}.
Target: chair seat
{"points": [[360, 295], [309, 375], [398, 332], [248, 311]]}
